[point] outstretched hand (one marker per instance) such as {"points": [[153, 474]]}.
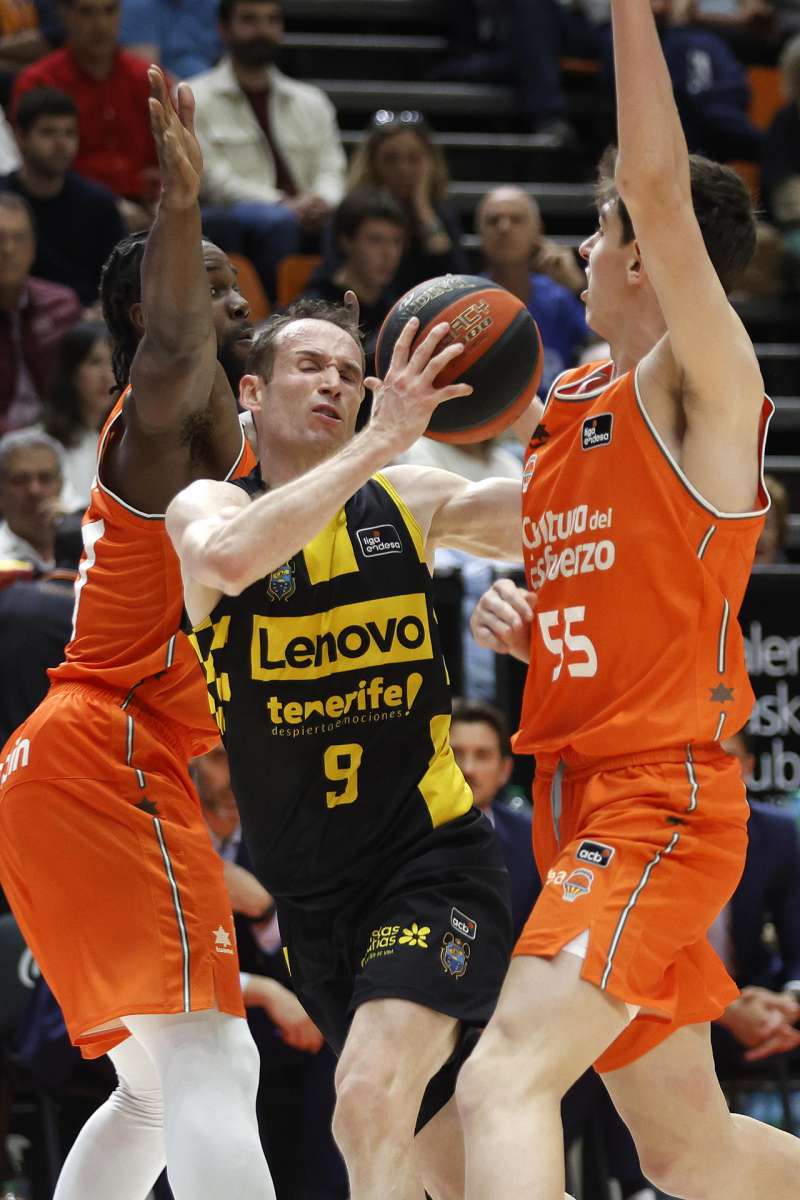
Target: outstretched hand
{"points": [[180, 158], [405, 400]]}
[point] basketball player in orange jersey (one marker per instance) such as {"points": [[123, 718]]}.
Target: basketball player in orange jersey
{"points": [[103, 851], [643, 499]]}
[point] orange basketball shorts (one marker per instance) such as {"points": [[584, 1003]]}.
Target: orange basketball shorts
{"points": [[108, 866], [640, 854]]}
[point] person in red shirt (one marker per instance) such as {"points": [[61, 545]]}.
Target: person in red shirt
{"points": [[110, 89]]}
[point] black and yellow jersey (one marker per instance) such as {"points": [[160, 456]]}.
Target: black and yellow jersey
{"points": [[328, 684]]}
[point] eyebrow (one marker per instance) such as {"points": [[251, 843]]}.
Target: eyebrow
{"points": [[320, 354]]}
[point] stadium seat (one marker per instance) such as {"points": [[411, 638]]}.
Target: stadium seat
{"points": [[294, 272], [251, 287]]}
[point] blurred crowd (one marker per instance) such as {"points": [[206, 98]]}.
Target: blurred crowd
{"points": [[78, 171]]}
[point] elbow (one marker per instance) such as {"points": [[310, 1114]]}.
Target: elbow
{"points": [[226, 565]]}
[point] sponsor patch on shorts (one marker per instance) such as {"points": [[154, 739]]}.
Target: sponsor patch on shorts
{"points": [[596, 431], [463, 924], [379, 539], [578, 883], [596, 853]]}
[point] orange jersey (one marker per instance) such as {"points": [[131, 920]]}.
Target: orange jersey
{"points": [[126, 628], [635, 643]]}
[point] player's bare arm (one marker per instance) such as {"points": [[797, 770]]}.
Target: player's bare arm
{"points": [[225, 542], [175, 371], [481, 518], [701, 385], [502, 619]]}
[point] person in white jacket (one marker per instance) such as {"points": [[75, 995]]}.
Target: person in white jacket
{"points": [[273, 160]]}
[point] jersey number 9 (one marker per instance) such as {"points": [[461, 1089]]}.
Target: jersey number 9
{"points": [[341, 766]]}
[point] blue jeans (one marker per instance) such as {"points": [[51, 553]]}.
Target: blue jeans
{"points": [[264, 233]]}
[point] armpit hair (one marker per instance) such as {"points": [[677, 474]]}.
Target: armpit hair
{"points": [[197, 434]]}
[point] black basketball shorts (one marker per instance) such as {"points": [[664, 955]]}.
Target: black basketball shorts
{"points": [[435, 930]]}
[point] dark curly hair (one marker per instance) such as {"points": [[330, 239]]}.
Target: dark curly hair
{"points": [[121, 287], [721, 204], [262, 353]]}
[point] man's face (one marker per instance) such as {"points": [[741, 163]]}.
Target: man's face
{"points": [[374, 252], [17, 248], [29, 484], [510, 228], [50, 145], [213, 781], [254, 33], [607, 288], [92, 25], [231, 313], [312, 398], [478, 754]]}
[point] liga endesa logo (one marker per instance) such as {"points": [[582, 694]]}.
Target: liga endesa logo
{"points": [[596, 431]]}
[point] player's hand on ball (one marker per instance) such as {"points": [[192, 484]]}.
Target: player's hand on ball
{"points": [[405, 399], [502, 619]]}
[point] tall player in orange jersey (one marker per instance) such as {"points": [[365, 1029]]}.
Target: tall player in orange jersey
{"points": [[642, 503], [104, 855]]}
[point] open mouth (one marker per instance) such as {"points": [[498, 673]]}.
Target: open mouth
{"points": [[245, 334]]}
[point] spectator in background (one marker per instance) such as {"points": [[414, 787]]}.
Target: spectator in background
{"points": [[31, 476], [710, 85], [370, 231], [34, 313], [760, 1022], [77, 221], [772, 541], [780, 164], [273, 159], [399, 154], [77, 405], [542, 275], [110, 90], [182, 36], [481, 743]]}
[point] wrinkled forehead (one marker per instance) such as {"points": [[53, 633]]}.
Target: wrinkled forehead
{"points": [[311, 336]]}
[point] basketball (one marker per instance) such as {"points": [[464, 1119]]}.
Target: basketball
{"points": [[502, 357]]}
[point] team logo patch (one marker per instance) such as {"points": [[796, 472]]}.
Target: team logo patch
{"points": [[281, 584], [379, 539], [595, 853], [540, 435], [578, 883], [596, 431], [463, 924], [222, 940], [527, 472], [454, 956]]}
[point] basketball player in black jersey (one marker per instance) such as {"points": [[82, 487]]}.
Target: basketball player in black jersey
{"points": [[309, 592]]}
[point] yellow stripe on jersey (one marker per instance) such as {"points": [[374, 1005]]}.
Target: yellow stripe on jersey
{"points": [[352, 637], [443, 787], [331, 552], [406, 514]]}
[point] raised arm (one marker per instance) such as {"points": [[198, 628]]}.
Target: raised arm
{"points": [[710, 347], [225, 544], [175, 363]]}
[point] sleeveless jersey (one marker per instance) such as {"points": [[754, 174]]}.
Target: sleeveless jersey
{"points": [[635, 645], [126, 624], [329, 687]]}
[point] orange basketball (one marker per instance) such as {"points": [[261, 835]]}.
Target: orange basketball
{"points": [[502, 358]]}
